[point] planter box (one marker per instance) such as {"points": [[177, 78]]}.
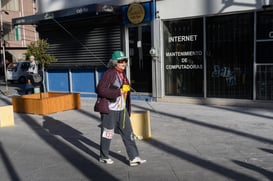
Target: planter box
{"points": [[141, 125], [6, 116], [46, 103]]}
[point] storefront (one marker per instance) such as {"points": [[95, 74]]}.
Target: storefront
{"points": [[228, 52], [177, 50], [83, 38], [225, 55]]}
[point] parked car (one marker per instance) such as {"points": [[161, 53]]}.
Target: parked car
{"points": [[17, 71]]}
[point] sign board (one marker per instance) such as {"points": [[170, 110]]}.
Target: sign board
{"points": [[136, 13]]}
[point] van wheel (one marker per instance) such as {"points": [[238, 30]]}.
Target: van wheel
{"points": [[22, 80]]}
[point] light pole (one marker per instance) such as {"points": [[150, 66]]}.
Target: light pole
{"points": [[3, 45]]}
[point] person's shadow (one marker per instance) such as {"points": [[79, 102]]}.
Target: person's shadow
{"points": [[265, 172], [74, 137]]}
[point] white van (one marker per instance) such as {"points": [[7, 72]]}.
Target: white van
{"points": [[17, 71]]}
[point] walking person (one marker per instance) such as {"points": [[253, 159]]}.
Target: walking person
{"points": [[113, 102]]}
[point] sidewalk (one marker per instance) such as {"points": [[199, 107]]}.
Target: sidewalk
{"points": [[189, 142]]}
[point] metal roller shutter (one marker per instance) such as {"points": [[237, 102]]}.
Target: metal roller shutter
{"points": [[84, 43]]}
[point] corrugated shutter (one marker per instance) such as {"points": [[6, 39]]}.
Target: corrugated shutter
{"points": [[82, 44]]}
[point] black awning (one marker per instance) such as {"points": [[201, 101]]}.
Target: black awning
{"points": [[88, 10]]}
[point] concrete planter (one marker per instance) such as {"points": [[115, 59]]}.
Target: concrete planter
{"points": [[6, 116], [46, 103]]}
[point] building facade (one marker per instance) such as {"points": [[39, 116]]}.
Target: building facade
{"points": [[178, 50], [17, 38]]}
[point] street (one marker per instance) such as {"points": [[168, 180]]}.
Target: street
{"points": [[14, 88]]}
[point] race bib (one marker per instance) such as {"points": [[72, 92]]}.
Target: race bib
{"points": [[108, 133]]}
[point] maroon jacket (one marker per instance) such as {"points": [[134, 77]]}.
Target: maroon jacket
{"points": [[106, 93]]}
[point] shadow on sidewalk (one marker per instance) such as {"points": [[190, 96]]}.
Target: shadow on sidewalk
{"points": [[80, 162], [262, 171], [242, 110], [211, 126], [69, 134], [5, 101], [267, 150], [76, 138], [206, 164], [10, 168]]}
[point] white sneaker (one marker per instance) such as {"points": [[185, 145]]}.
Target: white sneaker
{"points": [[136, 161], [106, 160]]}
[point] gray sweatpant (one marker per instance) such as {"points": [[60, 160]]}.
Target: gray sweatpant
{"points": [[114, 122]]}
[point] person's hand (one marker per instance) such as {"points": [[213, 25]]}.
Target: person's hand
{"points": [[122, 92]]}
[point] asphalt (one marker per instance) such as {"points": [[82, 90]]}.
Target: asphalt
{"points": [[189, 142]]}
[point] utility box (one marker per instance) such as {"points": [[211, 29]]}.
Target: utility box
{"points": [[6, 116], [141, 125]]}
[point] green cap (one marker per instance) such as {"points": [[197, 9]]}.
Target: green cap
{"points": [[118, 55]]}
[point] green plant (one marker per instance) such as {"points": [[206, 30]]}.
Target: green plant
{"points": [[39, 50]]}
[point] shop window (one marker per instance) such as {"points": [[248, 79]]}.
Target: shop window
{"points": [[17, 31], [10, 5], [229, 55], [264, 37], [183, 57], [264, 82], [264, 25], [264, 56], [8, 32], [11, 33], [264, 52]]}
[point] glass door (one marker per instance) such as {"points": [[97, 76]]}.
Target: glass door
{"points": [[140, 59]]}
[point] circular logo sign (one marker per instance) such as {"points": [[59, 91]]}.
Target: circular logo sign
{"points": [[136, 13]]}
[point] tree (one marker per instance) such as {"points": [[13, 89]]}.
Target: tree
{"points": [[39, 50]]}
